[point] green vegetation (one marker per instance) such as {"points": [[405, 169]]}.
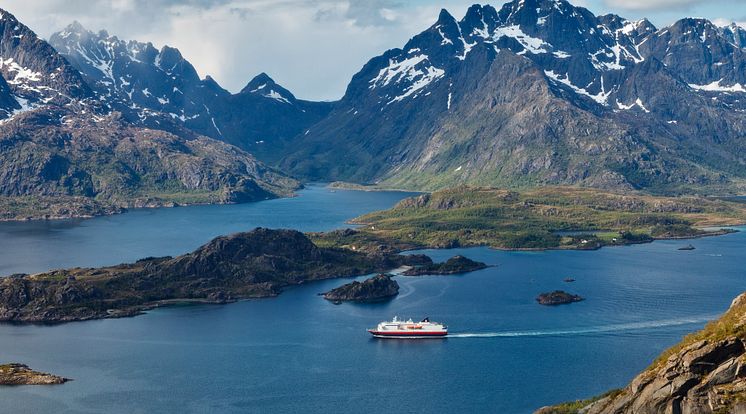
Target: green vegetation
{"points": [[544, 218], [574, 407]]}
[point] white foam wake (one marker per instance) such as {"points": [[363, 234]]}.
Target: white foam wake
{"points": [[634, 326]]}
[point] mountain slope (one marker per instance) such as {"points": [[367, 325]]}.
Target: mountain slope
{"points": [[161, 89], [65, 153], [537, 92]]}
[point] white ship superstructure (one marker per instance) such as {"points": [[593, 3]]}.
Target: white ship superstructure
{"points": [[409, 329]]}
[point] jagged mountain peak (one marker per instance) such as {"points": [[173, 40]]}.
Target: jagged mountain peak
{"points": [[263, 85], [34, 73], [445, 17]]}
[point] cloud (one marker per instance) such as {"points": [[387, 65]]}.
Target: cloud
{"points": [[313, 47], [652, 4]]}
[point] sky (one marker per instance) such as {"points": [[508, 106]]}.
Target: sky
{"points": [[312, 47]]}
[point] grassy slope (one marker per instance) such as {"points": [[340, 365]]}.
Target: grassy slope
{"points": [[474, 216]]}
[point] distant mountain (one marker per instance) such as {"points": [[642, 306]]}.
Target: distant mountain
{"points": [[542, 92], [66, 151], [33, 74], [160, 89]]}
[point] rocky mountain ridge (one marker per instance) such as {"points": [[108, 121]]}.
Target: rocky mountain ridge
{"points": [[541, 92], [160, 89], [66, 152]]}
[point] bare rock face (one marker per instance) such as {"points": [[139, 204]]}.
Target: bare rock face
{"points": [[704, 374], [20, 374]]}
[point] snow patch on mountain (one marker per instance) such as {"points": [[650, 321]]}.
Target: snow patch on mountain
{"points": [[531, 44], [415, 70], [637, 103], [272, 94], [601, 97], [718, 87]]}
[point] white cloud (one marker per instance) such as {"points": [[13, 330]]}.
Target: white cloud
{"points": [[721, 22], [313, 47], [652, 4]]}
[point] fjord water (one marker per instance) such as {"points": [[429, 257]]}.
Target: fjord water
{"points": [[300, 353], [29, 247]]}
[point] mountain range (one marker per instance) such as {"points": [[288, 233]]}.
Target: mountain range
{"points": [[542, 92], [66, 151], [536, 92]]}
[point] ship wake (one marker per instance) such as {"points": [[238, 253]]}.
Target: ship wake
{"points": [[622, 327]]}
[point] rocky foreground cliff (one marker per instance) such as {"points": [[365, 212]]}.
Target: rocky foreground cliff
{"points": [[254, 264], [705, 373]]}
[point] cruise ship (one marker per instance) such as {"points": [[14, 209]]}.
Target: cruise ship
{"points": [[409, 329]]}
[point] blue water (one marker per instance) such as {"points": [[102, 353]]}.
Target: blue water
{"points": [[29, 247], [300, 353]]}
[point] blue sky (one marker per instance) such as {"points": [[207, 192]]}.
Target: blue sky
{"points": [[312, 47]]}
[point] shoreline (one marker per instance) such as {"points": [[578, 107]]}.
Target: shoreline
{"points": [[125, 210]]}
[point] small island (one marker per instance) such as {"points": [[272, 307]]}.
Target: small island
{"points": [[20, 374], [558, 297], [375, 289], [454, 265], [254, 264]]}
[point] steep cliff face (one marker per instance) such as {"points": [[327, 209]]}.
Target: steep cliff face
{"points": [[705, 373]]}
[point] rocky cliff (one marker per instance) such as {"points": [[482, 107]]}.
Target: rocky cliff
{"points": [[705, 373]]}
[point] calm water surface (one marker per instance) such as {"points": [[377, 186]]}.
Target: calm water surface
{"points": [[29, 247], [299, 353]]}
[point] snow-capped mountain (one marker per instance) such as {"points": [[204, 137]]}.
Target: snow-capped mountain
{"points": [[65, 152], [541, 91], [33, 74], [142, 82], [161, 89]]}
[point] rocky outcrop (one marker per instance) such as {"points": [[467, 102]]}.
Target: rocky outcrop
{"points": [[258, 263], [375, 289], [705, 373], [454, 265], [20, 374], [558, 297]]}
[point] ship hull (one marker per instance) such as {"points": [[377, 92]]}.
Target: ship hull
{"points": [[408, 335]]}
